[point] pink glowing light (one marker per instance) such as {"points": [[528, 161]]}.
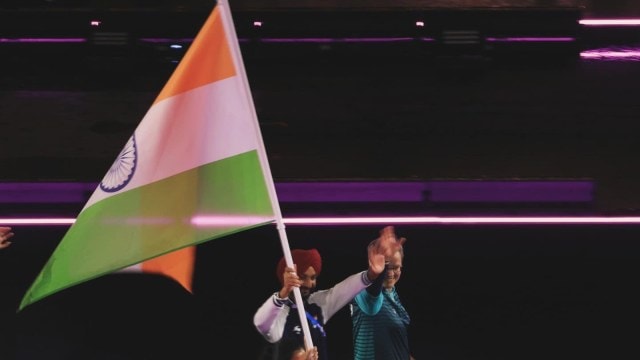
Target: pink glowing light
{"points": [[206, 221], [341, 40], [461, 220], [610, 22], [612, 54], [531, 39], [43, 40], [228, 220], [37, 221]]}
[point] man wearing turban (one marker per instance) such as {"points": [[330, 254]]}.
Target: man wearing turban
{"points": [[278, 320]]}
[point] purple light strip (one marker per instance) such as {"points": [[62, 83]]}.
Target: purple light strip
{"points": [[571, 191], [632, 54], [166, 40], [304, 40], [415, 220], [296, 40], [342, 40], [461, 220], [609, 22], [43, 40], [310, 40], [585, 22], [46, 192], [531, 39], [444, 191]]}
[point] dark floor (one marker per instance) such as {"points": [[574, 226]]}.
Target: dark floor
{"points": [[473, 292]]}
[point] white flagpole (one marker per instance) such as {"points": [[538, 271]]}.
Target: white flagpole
{"points": [[232, 39]]}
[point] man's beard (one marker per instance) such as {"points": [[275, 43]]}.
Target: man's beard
{"points": [[305, 292]]}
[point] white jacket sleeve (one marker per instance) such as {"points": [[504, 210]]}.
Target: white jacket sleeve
{"points": [[271, 317], [332, 300]]}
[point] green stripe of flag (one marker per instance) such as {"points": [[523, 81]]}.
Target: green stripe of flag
{"points": [[154, 219]]}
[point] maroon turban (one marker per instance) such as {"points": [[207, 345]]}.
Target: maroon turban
{"points": [[303, 260]]}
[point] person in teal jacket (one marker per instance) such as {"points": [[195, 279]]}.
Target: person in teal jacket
{"points": [[277, 319], [380, 321]]}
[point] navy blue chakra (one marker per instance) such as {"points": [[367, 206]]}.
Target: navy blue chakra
{"points": [[121, 172]]}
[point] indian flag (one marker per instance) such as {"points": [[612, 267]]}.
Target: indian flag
{"points": [[194, 170]]}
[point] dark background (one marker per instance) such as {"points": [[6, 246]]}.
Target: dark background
{"points": [[473, 292], [374, 111], [417, 110]]}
